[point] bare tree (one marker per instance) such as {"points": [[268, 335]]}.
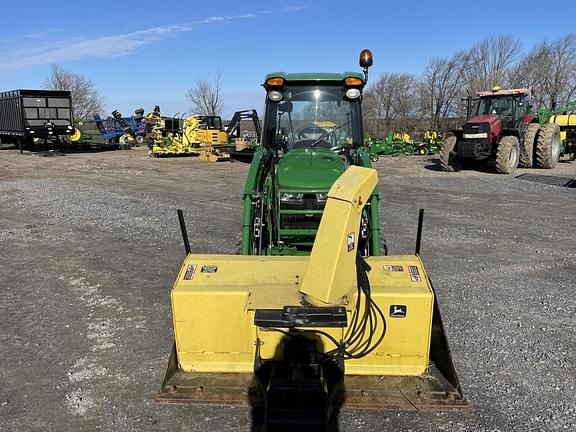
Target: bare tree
{"points": [[86, 101], [403, 98], [551, 69], [378, 104], [441, 86], [206, 96], [489, 63]]}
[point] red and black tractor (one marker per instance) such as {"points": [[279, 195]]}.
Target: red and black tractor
{"points": [[504, 131]]}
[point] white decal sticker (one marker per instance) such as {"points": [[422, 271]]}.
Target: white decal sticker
{"points": [[190, 272], [350, 241], [414, 274]]}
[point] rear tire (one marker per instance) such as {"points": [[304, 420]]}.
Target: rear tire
{"points": [[449, 161], [548, 146], [527, 150], [507, 155]]}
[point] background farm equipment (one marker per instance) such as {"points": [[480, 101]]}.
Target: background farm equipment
{"points": [[201, 136], [30, 118], [113, 132], [244, 144], [163, 141], [502, 130], [400, 143], [433, 142], [565, 118]]}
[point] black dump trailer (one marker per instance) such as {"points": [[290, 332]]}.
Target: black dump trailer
{"points": [[28, 117]]}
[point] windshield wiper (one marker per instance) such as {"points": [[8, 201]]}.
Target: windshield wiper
{"points": [[327, 134]]}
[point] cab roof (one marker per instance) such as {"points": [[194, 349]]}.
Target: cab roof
{"points": [[508, 92], [315, 77]]}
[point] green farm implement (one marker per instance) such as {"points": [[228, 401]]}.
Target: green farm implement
{"points": [[397, 143]]}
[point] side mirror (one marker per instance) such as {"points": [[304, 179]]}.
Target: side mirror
{"points": [[285, 106]]}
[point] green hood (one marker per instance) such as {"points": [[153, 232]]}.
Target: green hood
{"points": [[309, 169]]}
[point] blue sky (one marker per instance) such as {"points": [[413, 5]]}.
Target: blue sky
{"points": [[144, 53]]}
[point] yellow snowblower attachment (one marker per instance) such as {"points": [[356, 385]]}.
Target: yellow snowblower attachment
{"points": [[308, 335]]}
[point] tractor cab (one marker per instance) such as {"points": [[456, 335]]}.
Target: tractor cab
{"points": [[511, 106], [317, 116], [312, 132], [210, 122]]}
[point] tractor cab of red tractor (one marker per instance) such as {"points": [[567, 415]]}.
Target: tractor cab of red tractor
{"points": [[511, 106]]}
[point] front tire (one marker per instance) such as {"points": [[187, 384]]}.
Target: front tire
{"points": [[507, 155], [548, 146], [423, 150], [450, 161]]}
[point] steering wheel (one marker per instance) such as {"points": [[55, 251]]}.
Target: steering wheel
{"points": [[311, 129], [338, 149]]}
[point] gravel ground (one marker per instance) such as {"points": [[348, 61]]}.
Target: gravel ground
{"points": [[91, 245]]}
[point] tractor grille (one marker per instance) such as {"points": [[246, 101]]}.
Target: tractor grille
{"points": [[308, 202], [475, 128], [468, 148], [299, 221]]}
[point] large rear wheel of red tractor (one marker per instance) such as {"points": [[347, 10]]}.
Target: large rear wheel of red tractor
{"points": [[527, 150], [548, 146]]}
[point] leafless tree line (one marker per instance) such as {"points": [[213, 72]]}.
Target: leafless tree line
{"points": [[434, 99], [206, 96], [86, 101]]}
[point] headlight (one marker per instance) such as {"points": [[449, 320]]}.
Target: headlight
{"points": [[275, 96], [321, 197], [352, 93], [292, 198], [475, 135]]}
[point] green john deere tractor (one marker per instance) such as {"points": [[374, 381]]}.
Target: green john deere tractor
{"points": [[312, 131]]}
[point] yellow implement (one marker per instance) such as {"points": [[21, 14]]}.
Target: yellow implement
{"points": [[565, 121], [201, 136], [314, 333], [75, 135]]}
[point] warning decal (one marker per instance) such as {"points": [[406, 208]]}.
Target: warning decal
{"points": [[190, 272], [414, 274], [350, 241], [209, 269], [393, 268]]}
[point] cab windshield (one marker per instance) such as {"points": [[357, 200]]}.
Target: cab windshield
{"points": [[309, 117], [210, 122], [494, 105]]}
